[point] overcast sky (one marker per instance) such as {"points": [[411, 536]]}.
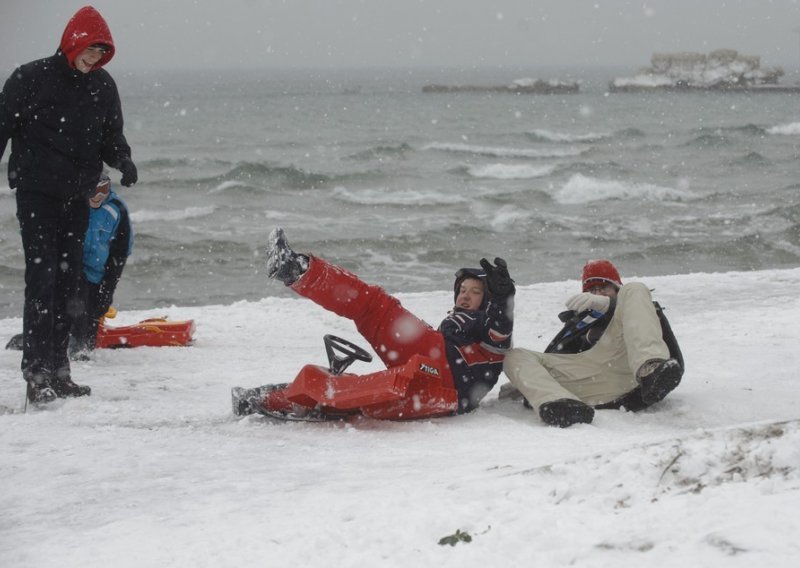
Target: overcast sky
{"points": [[392, 33]]}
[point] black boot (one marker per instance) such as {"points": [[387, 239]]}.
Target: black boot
{"points": [[15, 343], [39, 389], [282, 262], [64, 387], [243, 401], [248, 401], [658, 377], [565, 412]]}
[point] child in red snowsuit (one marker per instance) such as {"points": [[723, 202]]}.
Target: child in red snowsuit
{"points": [[429, 372]]}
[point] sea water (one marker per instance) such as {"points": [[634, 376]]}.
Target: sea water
{"points": [[404, 187]]}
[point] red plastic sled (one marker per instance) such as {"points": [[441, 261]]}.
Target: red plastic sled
{"points": [[413, 390], [154, 332]]}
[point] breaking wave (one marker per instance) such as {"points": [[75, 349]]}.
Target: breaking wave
{"points": [[284, 176], [233, 184], [394, 197], [746, 129], [254, 176], [791, 129], [509, 171], [593, 168], [500, 152], [583, 189], [541, 135]]}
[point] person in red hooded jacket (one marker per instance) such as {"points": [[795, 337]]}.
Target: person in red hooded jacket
{"points": [[615, 350], [63, 117]]}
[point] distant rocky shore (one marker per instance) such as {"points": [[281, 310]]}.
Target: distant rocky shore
{"points": [[721, 70], [519, 86]]}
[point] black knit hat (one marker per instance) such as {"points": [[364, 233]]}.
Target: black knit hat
{"points": [[464, 273]]}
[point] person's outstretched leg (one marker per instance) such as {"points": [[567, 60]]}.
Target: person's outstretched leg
{"points": [[393, 332], [268, 397]]}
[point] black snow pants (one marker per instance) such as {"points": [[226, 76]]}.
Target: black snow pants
{"points": [[53, 232]]}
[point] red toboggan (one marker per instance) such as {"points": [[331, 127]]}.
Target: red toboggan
{"points": [[153, 332]]}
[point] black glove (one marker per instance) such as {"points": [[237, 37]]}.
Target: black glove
{"points": [[497, 278], [129, 174]]}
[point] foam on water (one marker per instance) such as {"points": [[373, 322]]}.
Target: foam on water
{"points": [[394, 197], [225, 185], [502, 152], [510, 171], [583, 189], [792, 129], [549, 136]]}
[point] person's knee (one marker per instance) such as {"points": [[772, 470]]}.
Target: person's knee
{"points": [[633, 288], [517, 359]]}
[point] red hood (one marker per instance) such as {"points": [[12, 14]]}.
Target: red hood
{"points": [[86, 28]]}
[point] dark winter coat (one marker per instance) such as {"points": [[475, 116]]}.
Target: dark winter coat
{"points": [[62, 123], [582, 331], [475, 344]]}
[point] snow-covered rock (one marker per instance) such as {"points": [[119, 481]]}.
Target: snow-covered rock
{"points": [[720, 69]]}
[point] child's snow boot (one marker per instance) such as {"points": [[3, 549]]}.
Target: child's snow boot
{"points": [[282, 262], [248, 401]]}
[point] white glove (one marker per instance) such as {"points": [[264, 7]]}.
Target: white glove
{"points": [[586, 301]]}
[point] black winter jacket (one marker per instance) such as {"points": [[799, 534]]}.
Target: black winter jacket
{"points": [[476, 343], [63, 125]]}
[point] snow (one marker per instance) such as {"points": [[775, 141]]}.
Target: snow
{"points": [[153, 470]]}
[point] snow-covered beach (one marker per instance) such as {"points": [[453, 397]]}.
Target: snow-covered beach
{"points": [[153, 470]]}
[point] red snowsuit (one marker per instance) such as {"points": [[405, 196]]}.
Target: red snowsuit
{"points": [[419, 380]]}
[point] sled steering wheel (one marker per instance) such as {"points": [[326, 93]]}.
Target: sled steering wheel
{"points": [[342, 353]]}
